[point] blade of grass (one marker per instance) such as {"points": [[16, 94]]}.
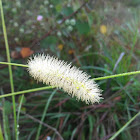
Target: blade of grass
{"points": [[5, 120], [44, 114], [44, 124], [9, 66], [91, 124], [56, 126], [96, 68], [133, 45], [117, 122], [1, 135], [124, 127], [19, 109], [31, 134], [65, 121], [6, 123], [73, 133]]}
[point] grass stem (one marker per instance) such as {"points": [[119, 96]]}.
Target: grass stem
{"points": [[99, 78], [123, 128], [117, 75], [26, 91], [9, 67], [14, 64]]}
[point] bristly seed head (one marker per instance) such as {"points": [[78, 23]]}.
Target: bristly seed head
{"points": [[58, 73]]}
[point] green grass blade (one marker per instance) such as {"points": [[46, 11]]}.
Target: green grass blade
{"points": [[124, 127], [5, 119], [19, 108], [44, 114], [6, 123], [9, 66], [18, 114], [91, 124], [1, 135], [31, 134]]}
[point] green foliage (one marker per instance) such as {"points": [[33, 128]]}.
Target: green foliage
{"points": [[50, 42], [67, 11], [86, 46], [82, 27]]}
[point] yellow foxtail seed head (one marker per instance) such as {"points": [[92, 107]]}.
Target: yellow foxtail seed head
{"points": [[54, 72]]}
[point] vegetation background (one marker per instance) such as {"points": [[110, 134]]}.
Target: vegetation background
{"points": [[102, 38]]}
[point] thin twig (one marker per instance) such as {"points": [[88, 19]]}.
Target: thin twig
{"points": [[44, 124]]}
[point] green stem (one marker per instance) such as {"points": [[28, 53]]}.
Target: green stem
{"points": [[44, 114], [122, 129], [26, 91], [118, 75], [99, 78], [43, 88], [14, 64], [9, 66]]}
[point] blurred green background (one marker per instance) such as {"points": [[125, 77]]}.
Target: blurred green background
{"points": [[102, 38]]}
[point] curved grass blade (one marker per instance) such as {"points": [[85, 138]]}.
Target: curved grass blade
{"points": [[124, 127]]}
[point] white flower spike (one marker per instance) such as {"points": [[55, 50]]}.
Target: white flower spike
{"points": [[54, 72]]}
